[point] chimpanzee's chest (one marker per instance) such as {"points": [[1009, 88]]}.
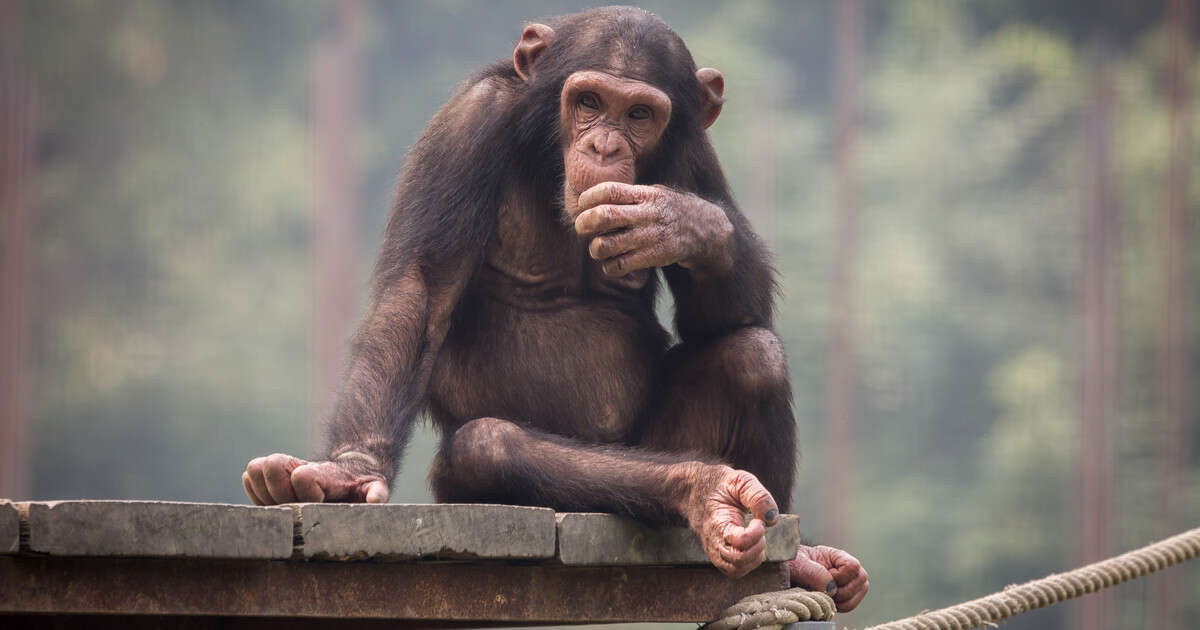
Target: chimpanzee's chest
{"points": [[542, 338], [583, 368]]}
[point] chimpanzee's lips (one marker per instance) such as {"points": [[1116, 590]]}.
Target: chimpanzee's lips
{"points": [[582, 179]]}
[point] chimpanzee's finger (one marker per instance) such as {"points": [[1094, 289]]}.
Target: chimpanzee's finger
{"points": [[854, 601], [608, 217], [250, 489], [277, 471], [259, 485], [755, 497], [646, 258], [844, 566], [621, 242], [614, 193], [376, 492], [848, 590], [745, 537], [306, 482], [750, 557], [810, 575]]}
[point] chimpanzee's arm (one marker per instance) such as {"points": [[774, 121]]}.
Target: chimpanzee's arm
{"points": [[729, 293], [391, 362], [718, 270], [439, 229]]}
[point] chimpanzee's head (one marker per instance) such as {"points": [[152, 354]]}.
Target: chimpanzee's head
{"points": [[631, 104]]}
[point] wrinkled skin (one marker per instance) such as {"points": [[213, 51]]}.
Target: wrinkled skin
{"points": [[611, 124], [281, 478], [832, 570]]}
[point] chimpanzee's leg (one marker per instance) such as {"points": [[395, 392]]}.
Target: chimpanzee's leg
{"points": [[489, 459], [730, 397], [725, 401], [494, 460]]}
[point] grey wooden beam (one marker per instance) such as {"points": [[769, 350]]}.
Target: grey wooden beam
{"points": [[428, 594], [157, 529], [343, 531], [10, 528], [607, 539]]}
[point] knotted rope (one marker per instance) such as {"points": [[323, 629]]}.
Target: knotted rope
{"points": [[773, 610]]}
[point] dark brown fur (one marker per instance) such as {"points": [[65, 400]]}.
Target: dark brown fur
{"points": [[552, 384]]}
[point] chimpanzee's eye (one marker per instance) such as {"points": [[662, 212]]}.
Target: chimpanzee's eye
{"points": [[589, 100], [641, 112]]}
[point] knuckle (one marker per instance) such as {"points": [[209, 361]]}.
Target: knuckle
{"points": [[274, 468], [586, 221]]}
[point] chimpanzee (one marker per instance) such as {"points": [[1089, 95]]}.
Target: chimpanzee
{"points": [[514, 301]]}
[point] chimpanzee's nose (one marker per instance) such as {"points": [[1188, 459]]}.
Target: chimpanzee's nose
{"points": [[607, 143]]}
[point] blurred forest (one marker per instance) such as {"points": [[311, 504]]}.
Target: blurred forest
{"points": [[983, 215]]}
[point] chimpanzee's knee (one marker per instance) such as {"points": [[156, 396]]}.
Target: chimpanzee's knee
{"points": [[480, 449], [755, 362]]}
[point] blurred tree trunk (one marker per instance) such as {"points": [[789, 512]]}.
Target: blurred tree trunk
{"points": [[1098, 391], [336, 88], [18, 111], [1173, 369], [842, 372], [762, 162]]}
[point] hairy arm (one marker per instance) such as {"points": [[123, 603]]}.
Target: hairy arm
{"points": [[392, 359], [731, 287], [717, 268], [439, 228]]}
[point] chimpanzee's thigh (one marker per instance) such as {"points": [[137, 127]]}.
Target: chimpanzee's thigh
{"points": [[730, 397]]}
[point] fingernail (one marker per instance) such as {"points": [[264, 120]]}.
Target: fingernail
{"points": [[771, 514], [831, 588]]}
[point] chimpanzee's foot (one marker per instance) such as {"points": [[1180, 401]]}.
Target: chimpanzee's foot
{"points": [[832, 570], [721, 496]]}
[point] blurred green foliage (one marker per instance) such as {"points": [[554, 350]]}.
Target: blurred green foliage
{"points": [[173, 299]]}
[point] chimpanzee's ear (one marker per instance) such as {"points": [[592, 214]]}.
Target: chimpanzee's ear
{"points": [[534, 41], [712, 95]]}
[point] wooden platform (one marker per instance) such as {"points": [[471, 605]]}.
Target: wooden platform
{"points": [[155, 564]]}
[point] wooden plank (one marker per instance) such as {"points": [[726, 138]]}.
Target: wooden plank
{"points": [[587, 539], [10, 527], [157, 529], [341, 531], [434, 593]]}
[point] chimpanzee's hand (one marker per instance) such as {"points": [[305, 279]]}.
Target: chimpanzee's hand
{"points": [[722, 495], [831, 570], [639, 227], [282, 478]]}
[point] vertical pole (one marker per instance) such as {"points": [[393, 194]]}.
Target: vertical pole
{"points": [[1098, 379], [1173, 368], [842, 371], [18, 110], [336, 86]]}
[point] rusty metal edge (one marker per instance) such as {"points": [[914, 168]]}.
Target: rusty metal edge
{"points": [[447, 592]]}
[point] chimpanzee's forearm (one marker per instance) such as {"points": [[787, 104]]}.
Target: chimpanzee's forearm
{"points": [[393, 356], [385, 383], [711, 303]]}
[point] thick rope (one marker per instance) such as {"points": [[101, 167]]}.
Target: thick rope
{"points": [[773, 610]]}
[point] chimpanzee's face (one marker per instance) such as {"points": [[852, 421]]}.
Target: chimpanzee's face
{"points": [[609, 124]]}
